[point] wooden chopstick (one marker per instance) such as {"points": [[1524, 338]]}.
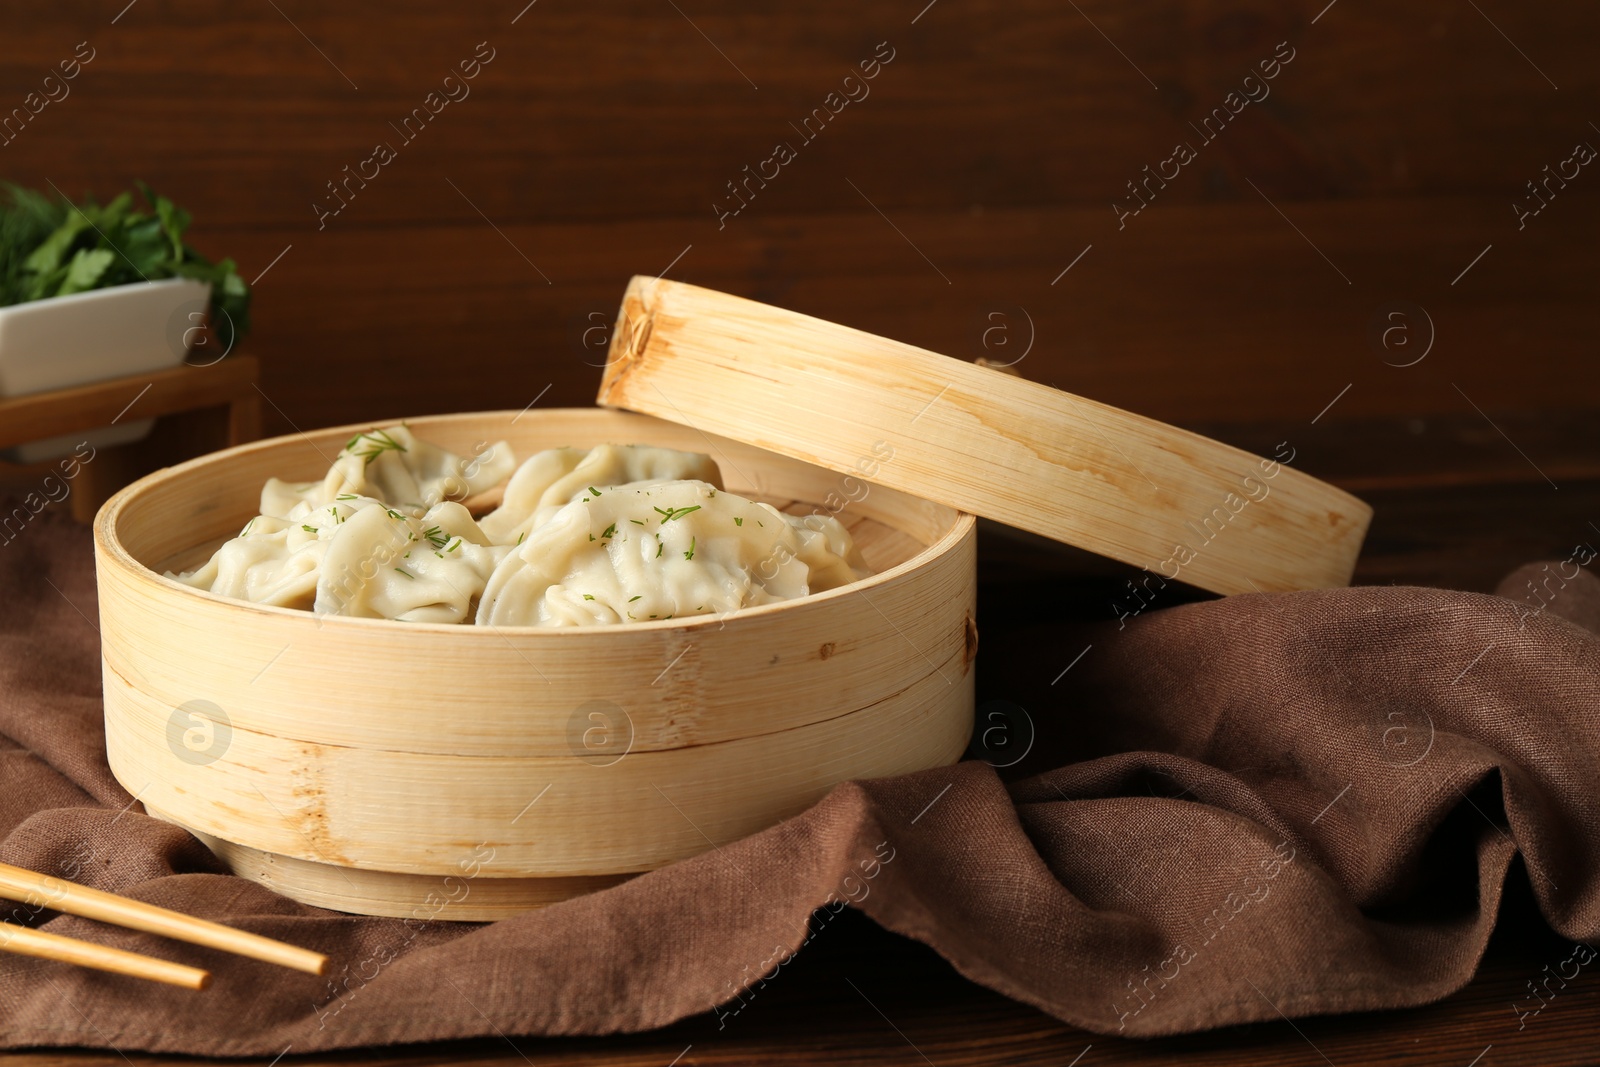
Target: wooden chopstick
{"points": [[19, 883], [26, 942]]}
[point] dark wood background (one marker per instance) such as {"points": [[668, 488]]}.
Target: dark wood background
{"points": [[941, 210], [601, 134]]}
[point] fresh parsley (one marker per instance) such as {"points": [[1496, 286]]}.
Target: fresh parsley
{"points": [[50, 246]]}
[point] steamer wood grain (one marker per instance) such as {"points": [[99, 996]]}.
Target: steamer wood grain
{"points": [[395, 749], [1030, 456]]}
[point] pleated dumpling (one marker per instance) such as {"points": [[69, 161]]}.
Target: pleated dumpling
{"points": [[549, 479], [272, 561], [383, 564], [663, 550], [276, 559], [611, 534], [357, 556], [395, 467]]}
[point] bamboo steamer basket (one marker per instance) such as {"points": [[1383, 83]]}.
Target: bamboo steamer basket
{"points": [[465, 772], [1027, 455]]}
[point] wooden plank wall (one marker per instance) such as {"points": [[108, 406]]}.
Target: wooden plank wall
{"points": [[940, 207]]}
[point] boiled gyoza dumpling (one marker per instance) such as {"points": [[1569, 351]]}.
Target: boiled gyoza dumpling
{"points": [[272, 561], [663, 550], [275, 559], [383, 564], [395, 467], [548, 479], [357, 556], [615, 533]]}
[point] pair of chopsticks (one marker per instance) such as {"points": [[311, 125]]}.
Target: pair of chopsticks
{"points": [[21, 884]]}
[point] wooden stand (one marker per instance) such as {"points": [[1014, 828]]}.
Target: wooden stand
{"points": [[199, 409]]}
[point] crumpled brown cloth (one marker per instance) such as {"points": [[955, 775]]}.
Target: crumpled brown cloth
{"points": [[1302, 803]]}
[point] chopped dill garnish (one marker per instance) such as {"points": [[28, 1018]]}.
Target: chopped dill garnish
{"points": [[377, 443], [609, 531], [454, 544], [633, 598], [393, 514], [244, 532], [690, 554], [738, 520], [435, 536], [402, 570], [593, 491], [308, 529], [588, 596], [660, 544], [668, 514], [346, 496], [591, 537], [521, 535], [637, 522]]}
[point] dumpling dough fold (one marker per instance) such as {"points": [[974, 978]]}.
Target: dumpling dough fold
{"points": [[396, 468], [662, 550], [549, 479]]}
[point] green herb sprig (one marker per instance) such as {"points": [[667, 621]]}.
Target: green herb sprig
{"points": [[50, 246], [374, 443]]}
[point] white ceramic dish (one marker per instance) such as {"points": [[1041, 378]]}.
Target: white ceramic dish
{"points": [[89, 337]]}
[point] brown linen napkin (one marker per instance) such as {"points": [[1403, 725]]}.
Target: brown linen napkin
{"points": [[1300, 803]]}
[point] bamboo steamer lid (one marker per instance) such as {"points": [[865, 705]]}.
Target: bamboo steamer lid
{"points": [[1021, 453]]}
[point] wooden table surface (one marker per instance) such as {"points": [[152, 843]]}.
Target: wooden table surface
{"points": [[1451, 509], [868, 997], [966, 205]]}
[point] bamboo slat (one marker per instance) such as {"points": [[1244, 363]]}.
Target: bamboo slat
{"points": [[1033, 457], [362, 760]]}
